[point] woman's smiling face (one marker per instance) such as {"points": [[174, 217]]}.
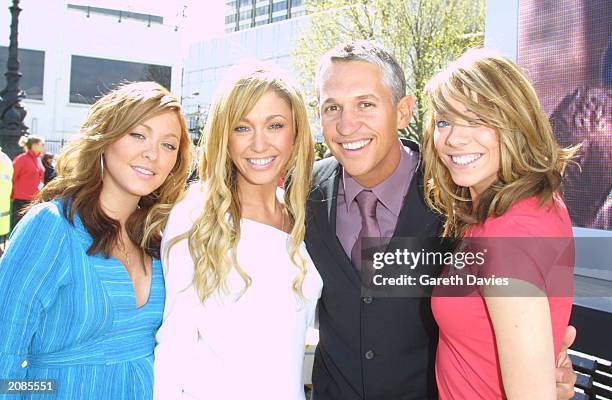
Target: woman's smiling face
{"points": [[469, 150]]}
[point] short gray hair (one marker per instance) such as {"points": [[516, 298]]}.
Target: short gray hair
{"points": [[370, 52]]}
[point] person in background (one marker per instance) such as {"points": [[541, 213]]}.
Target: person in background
{"points": [[494, 170], [81, 284], [6, 186], [48, 162], [28, 174]]}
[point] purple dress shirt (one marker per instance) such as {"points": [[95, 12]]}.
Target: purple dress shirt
{"points": [[348, 219]]}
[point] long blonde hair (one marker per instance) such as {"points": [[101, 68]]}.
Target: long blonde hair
{"points": [[79, 168], [531, 162], [214, 237]]}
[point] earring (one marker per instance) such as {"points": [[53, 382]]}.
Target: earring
{"points": [[101, 164]]}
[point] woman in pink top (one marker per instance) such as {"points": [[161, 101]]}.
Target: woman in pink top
{"points": [[28, 174], [494, 169]]}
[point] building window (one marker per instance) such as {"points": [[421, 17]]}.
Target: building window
{"points": [[297, 3], [262, 10], [231, 4], [279, 6], [279, 18], [262, 22], [230, 19], [92, 77], [244, 3], [245, 15], [32, 66]]}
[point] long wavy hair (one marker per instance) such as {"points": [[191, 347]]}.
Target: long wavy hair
{"points": [[214, 237], [79, 168], [531, 162]]}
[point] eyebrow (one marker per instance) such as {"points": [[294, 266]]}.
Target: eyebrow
{"points": [[368, 96], [461, 114], [268, 118], [174, 135], [148, 128], [467, 112]]}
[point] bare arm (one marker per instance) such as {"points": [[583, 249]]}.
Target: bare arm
{"points": [[523, 334]]}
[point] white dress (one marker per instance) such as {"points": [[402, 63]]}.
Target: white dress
{"points": [[227, 348]]}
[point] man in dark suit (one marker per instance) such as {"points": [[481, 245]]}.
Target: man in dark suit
{"points": [[369, 348]]}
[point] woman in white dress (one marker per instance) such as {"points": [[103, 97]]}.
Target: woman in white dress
{"points": [[241, 289]]}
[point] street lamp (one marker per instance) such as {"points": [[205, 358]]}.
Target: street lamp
{"points": [[12, 112], [193, 118], [196, 121]]}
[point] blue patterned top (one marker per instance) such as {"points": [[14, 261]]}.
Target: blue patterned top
{"points": [[71, 317]]}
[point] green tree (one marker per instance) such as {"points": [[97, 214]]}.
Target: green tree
{"points": [[424, 36], [320, 150]]}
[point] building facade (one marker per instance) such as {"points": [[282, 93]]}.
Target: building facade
{"points": [[70, 54], [245, 14], [208, 61]]}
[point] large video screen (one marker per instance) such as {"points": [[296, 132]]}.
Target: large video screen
{"points": [[32, 66], [565, 46], [92, 77]]}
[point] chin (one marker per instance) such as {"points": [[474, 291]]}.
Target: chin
{"points": [[261, 180], [462, 181], [141, 192], [265, 183], [355, 167]]}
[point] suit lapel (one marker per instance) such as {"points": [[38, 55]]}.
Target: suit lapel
{"points": [[325, 220], [416, 219]]}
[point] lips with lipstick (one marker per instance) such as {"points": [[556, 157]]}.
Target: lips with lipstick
{"points": [[143, 171]]}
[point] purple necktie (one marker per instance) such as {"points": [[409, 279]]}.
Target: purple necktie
{"points": [[366, 201]]}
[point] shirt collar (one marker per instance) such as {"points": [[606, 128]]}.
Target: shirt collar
{"points": [[31, 153], [387, 190]]}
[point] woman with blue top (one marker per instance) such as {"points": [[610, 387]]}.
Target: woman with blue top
{"points": [[81, 285]]}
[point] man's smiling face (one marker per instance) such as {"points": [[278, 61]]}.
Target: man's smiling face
{"points": [[360, 120]]}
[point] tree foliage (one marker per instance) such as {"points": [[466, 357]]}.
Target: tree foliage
{"points": [[320, 151], [424, 35]]}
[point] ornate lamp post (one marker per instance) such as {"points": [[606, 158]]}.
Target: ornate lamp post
{"points": [[12, 112]]}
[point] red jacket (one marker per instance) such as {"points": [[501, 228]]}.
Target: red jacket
{"points": [[28, 175]]}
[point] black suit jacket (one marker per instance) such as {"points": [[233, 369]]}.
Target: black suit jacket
{"points": [[369, 348]]}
